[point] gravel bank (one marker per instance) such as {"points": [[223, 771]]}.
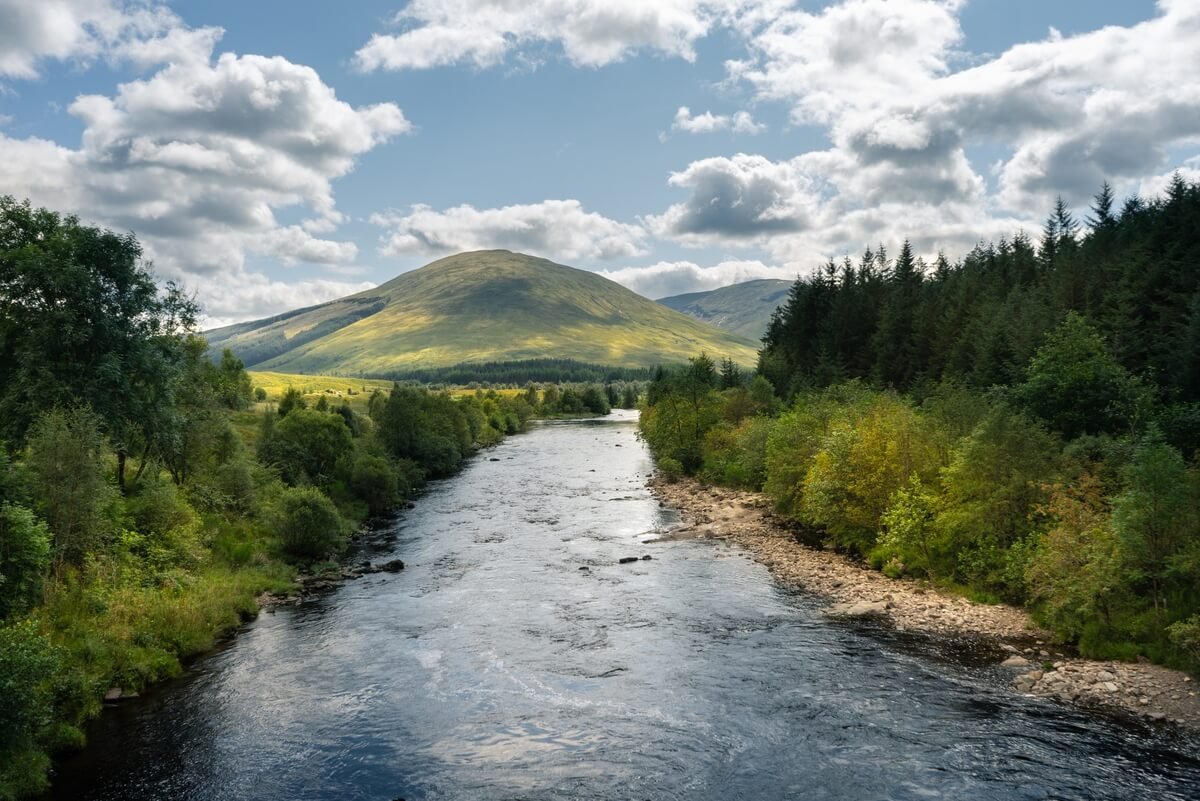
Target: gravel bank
{"points": [[1039, 666]]}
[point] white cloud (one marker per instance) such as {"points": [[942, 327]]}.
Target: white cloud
{"points": [[144, 33], [253, 295], [667, 278], [878, 77], [196, 160], [741, 122], [743, 199], [590, 32], [555, 229]]}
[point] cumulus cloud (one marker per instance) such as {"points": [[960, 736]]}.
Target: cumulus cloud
{"points": [[197, 158], [740, 198], [590, 32], [83, 30], [556, 229], [884, 80], [741, 122], [254, 295], [667, 278]]}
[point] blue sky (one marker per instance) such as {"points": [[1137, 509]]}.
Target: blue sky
{"points": [[272, 154]]}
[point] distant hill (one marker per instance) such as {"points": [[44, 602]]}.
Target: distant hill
{"points": [[744, 309], [485, 306]]}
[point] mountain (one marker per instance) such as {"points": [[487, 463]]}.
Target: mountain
{"points": [[744, 309], [489, 305]]}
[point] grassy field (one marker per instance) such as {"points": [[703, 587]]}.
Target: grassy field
{"points": [[479, 307]]}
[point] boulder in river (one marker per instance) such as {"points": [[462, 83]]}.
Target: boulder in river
{"points": [[1015, 661], [624, 560]]}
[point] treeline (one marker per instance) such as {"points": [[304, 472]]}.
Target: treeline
{"points": [[520, 373], [1055, 467], [907, 325], [144, 502]]}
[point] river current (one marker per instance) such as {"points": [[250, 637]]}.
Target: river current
{"points": [[494, 667]]}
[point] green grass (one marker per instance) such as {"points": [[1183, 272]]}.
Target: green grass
{"points": [[479, 307]]}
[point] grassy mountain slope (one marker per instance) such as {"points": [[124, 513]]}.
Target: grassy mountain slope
{"points": [[483, 306], [742, 309]]}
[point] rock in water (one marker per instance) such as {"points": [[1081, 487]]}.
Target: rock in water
{"points": [[394, 566], [624, 560], [1015, 661]]}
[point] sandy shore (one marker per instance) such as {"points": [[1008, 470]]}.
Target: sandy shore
{"points": [[1039, 666]]}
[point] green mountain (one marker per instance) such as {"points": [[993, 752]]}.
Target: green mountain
{"points": [[744, 309], [490, 305]]}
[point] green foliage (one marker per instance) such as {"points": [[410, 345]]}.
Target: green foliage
{"points": [[1077, 576], [308, 445], [231, 383], [290, 400], [68, 484], [309, 524], [907, 527], [82, 322], [375, 481], [24, 559], [1157, 521], [991, 491], [26, 659], [1075, 385], [1185, 635]]}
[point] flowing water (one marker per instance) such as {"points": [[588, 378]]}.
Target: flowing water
{"points": [[493, 667]]}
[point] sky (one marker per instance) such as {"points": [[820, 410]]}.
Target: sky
{"points": [[270, 154]]}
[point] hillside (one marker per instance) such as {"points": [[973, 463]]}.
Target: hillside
{"points": [[473, 307], [743, 309]]}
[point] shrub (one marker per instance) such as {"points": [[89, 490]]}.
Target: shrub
{"points": [[310, 526], [24, 559], [26, 660], [375, 482]]}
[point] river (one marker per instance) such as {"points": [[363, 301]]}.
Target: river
{"points": [[494, 667]]}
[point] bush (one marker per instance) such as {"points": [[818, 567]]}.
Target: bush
{"points": [[24, 559], [375, 481], [310, 526], [26, 660]]}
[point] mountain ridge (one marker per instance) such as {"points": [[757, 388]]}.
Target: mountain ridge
{"points": [[743, 309], [491, 305]]}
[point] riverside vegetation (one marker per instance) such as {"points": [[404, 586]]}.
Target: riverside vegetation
{"points": [[1020, 426], [149, 492]]}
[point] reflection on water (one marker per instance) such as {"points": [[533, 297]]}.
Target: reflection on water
{"points": [[493, 667]]}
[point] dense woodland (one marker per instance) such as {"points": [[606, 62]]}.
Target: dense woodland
{"points": [[1022, 425], [149, 492]]}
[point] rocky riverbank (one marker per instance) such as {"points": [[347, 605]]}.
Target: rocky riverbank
{"points": [[1040, 667]]}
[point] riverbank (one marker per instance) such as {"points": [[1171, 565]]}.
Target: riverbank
{"points": [[1039, 666]]}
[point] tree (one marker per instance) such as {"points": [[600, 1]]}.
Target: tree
{"points": [[1075, 385], [291, 399], [376, 482], [731, 374], [310, 443], [1155, 516], [82, 321], [26, 660], [232, 382], [67, 481], [24, 559], [310, 526], [1076, 573]]}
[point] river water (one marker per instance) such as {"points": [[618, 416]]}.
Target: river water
{"points": [[493, 667]]}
